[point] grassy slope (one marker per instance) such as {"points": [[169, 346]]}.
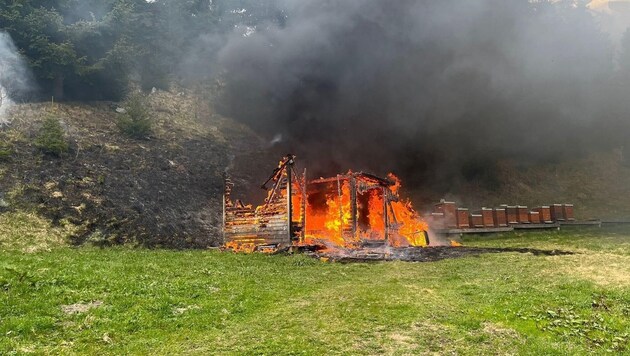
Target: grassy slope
{"points": [[165, 302]]}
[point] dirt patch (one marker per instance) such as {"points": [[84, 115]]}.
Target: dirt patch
{"points": [[79, 308], [499, 331]]}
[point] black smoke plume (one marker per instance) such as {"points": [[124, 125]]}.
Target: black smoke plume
{"points": [[430, 89]]}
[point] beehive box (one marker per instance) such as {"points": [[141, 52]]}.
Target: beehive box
{"points": [[449, 209], [534, 217], [523, 214], [500, 217], [476, 220], [567, 210], [462, 218], [437, 221], [557, 212], [545, 214], [512, 214], [487, 217]]}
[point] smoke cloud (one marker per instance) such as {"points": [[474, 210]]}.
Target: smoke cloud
{"points": [[421, 87], [15, 77]]}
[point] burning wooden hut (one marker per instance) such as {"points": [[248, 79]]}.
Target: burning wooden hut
{"points": [[348, 210]]}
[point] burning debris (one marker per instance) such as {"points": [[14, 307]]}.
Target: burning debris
{"points": [[346, 212]]}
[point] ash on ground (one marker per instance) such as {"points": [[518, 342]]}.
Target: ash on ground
{"points": [[420, 254]]}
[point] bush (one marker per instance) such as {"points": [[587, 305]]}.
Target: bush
{"points": [[6, 150], [50, 139], [135, 122]]}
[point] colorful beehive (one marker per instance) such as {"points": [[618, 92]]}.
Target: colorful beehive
{"points": [[449, 209], [523, 214], [557, 213], [534, 217], [545, 214], [512, 214], [476, 220], [462, 218], [488, 219], [567, 210], [500, 217]]}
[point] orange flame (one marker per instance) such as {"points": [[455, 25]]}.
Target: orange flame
{"points": [[332, 220], [412, 228]]}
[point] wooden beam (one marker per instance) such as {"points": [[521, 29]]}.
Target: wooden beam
{"points": [[303, 208], [385, 215], [353, 206], [224, 192], [338, 178], [289, 170], [340, 199]]}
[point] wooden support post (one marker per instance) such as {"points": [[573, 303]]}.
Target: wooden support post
{"points": [[385, 217], [391, 208], [340, 199], [223, 229], [353, 206], [303, 207], [288, 169]]}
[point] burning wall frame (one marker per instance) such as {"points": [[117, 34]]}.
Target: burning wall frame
{"points": [[273, 224], [359, 184]]}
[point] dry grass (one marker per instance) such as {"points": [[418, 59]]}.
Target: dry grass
{"points": [[605, 269], [78, 308], [30, 233]]}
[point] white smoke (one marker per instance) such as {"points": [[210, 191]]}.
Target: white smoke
{"points": [[15, 77], [5, 103]]}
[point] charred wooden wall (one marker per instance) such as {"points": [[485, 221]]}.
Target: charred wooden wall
{"points": [[266, 225]]}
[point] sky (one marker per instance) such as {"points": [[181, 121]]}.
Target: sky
{"points": [[615, 22], [602, 5]]}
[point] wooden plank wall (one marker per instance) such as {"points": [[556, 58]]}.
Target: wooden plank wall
{"points": [[262, 226]]}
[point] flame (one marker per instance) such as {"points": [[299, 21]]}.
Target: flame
{"points": [[329, 222], [455, 244], [332, 221], [412, 227], [376, 211], [240, 247]]}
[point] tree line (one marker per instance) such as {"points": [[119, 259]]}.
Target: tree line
{"points": [[92, 49]]}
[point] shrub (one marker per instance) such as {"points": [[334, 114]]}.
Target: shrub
{"points": [[6, 150], [135, 122], [50, 139]]}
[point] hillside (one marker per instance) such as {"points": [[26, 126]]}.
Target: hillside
{"points": [[166, 190], [598, 184]]}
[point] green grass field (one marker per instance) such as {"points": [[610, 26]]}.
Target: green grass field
{"points": [[56, 299]]}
